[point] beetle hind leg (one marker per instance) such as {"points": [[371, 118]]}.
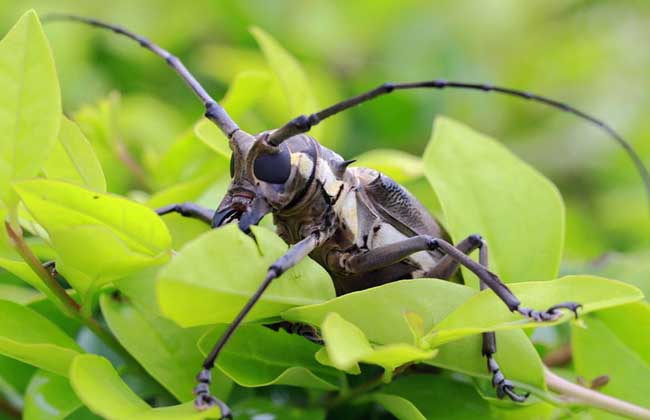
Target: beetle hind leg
{"points": [[446, 268]]}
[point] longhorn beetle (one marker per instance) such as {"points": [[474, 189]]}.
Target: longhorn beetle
{"points": [[360, 225]]}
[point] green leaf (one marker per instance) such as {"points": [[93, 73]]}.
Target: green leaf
{"points": [[400, 166], [187, 159], [291, 76], [14, 379], [485, 189], [18, 294], [29, 337], [347, 345], [98, 237], [382, 319], [631, 268], [49, 397], [166, 351], [99, 124], [212, 277], [112, 399], [30, 104], [73, 159], [486, 312], [615, 343], [419, 397], [379, 311], [183, 229], [258, 356]]}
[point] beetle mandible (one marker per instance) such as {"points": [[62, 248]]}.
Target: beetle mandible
{"points": [[360, 225]]}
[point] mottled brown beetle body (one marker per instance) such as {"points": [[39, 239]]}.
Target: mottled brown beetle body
{"points": [[364, 208]]}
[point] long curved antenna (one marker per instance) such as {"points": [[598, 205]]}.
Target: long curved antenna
{"points": [[213, 111], [304, 123]]}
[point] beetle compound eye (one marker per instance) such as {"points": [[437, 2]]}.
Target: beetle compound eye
{"points": [[274, 168], [232, 165]]}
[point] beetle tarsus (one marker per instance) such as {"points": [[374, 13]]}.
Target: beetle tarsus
{"points": [[551, 314], [503, 386], [204, 400]]}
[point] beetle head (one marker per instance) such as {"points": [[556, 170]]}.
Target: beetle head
{"points": [[265, 178]]}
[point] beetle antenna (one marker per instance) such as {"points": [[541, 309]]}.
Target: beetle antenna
{"points": [[213, 111], [304, 123]]}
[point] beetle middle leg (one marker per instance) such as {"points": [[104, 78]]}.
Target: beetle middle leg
{"points": [[454, 256]]}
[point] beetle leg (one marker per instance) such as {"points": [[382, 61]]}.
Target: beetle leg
{"points": [[304, 330], [446, 268], [503, 386], [493, 281], [188, 210], [293, 256], [390, 254]]}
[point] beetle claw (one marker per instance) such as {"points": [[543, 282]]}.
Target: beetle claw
{"points": [[552, 313]]}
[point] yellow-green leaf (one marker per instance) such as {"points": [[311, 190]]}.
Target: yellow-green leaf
{"points": [[98, 237], [486, 312], [30, 103], [485, 189], [213, 276], [73, 159], [31, 338], [112, 399], [347, 345], [291, 76]]}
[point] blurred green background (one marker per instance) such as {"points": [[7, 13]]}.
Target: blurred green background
{"points": [[590, 53]]}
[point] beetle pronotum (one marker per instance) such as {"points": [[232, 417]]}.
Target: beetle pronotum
{"points": [[310, 190]]}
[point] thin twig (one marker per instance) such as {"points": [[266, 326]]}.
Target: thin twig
{"points": [[132, 165], [577, 394], [73, 308], [7, 408], [28, 256]]}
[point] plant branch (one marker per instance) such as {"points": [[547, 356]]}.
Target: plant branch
{"points": [[73, 308], [28, 256], [575, 393], [9, 410], [132, 165]]}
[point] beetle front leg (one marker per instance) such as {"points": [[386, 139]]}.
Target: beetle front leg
{"points": [[191, 210], [292, 257]]}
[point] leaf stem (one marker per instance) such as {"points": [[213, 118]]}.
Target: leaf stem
{"points": [[355, 392], [7, 408], [73, 308], [575, 393]]}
